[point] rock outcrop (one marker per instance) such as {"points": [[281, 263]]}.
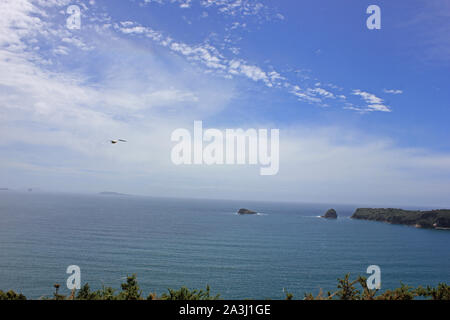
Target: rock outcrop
{"points": [[330, 214], [433, 219], [246, 211]]}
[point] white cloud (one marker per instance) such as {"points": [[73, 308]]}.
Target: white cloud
{"points": [[22, 17], [253, 72], [393, 91], [61, 50], [77, 42], [322, 92], [368, 97], [232, 8], [185, 4], [304, 95], [236, 7], [378, 107], [374, 103], [208, 56]]}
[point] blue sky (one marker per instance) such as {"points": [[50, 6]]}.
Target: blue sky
{"points": [[362, 113]]}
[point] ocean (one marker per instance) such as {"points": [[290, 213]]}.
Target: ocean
{"points": [[171, 243]]}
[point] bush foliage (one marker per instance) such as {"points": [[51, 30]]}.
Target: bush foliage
{"points": [[346, 290]]}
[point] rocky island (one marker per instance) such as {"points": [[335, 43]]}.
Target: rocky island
{"points": [[246, 211], [330, 214], [109, 193], [433, 219]]}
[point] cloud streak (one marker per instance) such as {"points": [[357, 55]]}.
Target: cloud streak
{"points": [[374, 103]]}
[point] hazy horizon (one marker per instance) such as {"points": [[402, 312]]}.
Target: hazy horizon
{"points": [[242, 200]]}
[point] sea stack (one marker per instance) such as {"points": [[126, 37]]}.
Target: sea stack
{"points": [[330, 214], [246, 211]]}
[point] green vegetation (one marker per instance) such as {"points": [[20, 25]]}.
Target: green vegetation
{"points": [[131, 291], [434, 219], [11, 295], [347, 290]]}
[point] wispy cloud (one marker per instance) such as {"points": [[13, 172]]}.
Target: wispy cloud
{"points": [[393, 91], [212, 57], [227, 7], [322, 92], [374, 103]]}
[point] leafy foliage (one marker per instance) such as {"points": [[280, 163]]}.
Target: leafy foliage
{"points": [[441, 292], [185, 294], [346, 290], [11, 295], [130, 289]]}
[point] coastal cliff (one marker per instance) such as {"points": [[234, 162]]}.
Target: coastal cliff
{"points": [[433, 219]]}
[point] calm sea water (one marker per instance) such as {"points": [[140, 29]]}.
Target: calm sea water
{"points": [[173, 242]]}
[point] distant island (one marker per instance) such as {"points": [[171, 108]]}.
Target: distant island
{"points": [[330, 214], [246, 211], [109, 193], [4, 189], [433, 219]]}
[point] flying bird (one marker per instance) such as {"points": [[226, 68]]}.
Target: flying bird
{"points": [[118, 140]]}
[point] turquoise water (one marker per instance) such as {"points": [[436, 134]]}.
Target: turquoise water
{"points": [[173, 242]]}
